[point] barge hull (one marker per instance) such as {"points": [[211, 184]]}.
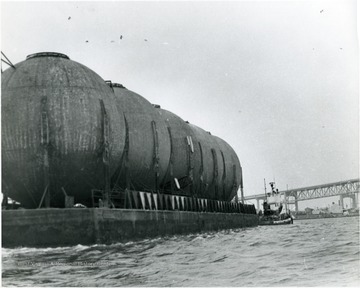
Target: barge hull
{"points": [[67, 227]]}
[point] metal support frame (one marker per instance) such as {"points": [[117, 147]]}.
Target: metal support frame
{"points": [[241, 183], [190, 152], [44, 141], [126, 162], [223, 178], [69, 200], [8, 62], [215, 173], [156, 157], [105, 153], [43, 196], [201, 172], [171, 162], [126, 155]]}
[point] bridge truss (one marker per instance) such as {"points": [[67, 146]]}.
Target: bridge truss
{"points": [[327, 190], [343, 189]]}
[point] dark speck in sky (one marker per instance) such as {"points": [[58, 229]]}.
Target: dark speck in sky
{"points": [[322, 11], [69, 18], [121, 37]]}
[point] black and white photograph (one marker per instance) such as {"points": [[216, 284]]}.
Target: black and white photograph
{"points": [[180, 143]]}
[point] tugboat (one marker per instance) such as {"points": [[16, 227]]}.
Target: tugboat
{"points": [[272, 209]]}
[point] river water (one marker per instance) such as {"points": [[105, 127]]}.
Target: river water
{"points": [[321, 252]]}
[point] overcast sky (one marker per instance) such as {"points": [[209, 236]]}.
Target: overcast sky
{"points": [[278, 81]]}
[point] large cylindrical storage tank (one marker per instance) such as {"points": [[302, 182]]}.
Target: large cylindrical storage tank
{"points": [[59, 127], [232, 173], [147, 151], [220, 172], [209, 168], [219, 167], [185, 158]]}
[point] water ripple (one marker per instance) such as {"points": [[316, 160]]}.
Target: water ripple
{"points": [[322, 252]]}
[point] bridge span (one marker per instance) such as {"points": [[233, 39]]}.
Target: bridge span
{"points": [[343, 189]]}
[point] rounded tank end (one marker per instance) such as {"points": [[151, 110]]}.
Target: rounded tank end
{"points": [[47, 54]]}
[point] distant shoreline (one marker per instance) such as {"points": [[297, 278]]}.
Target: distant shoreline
{"points": [[318, 216]]}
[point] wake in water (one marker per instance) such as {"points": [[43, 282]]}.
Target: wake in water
{"points": [[323, 252]]}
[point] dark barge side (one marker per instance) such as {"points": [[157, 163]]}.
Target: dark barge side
{"points": [[71, 226]]}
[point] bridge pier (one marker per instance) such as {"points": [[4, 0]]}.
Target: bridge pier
{"points": [[354, 200], [341, 201], [286, 200], [258, 203], [296, 204]]}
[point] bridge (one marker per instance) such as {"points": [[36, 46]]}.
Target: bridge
{"points": [[343, 189]]}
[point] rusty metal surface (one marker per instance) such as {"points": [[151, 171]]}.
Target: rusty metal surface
{"points": [[181, 154], [142, 158], [232, 173], [53, 139], [72, 94]]}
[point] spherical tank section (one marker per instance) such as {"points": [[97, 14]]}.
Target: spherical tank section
{"points": [[147, 146], [60, 128], [232, 175], [184, 157]]}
